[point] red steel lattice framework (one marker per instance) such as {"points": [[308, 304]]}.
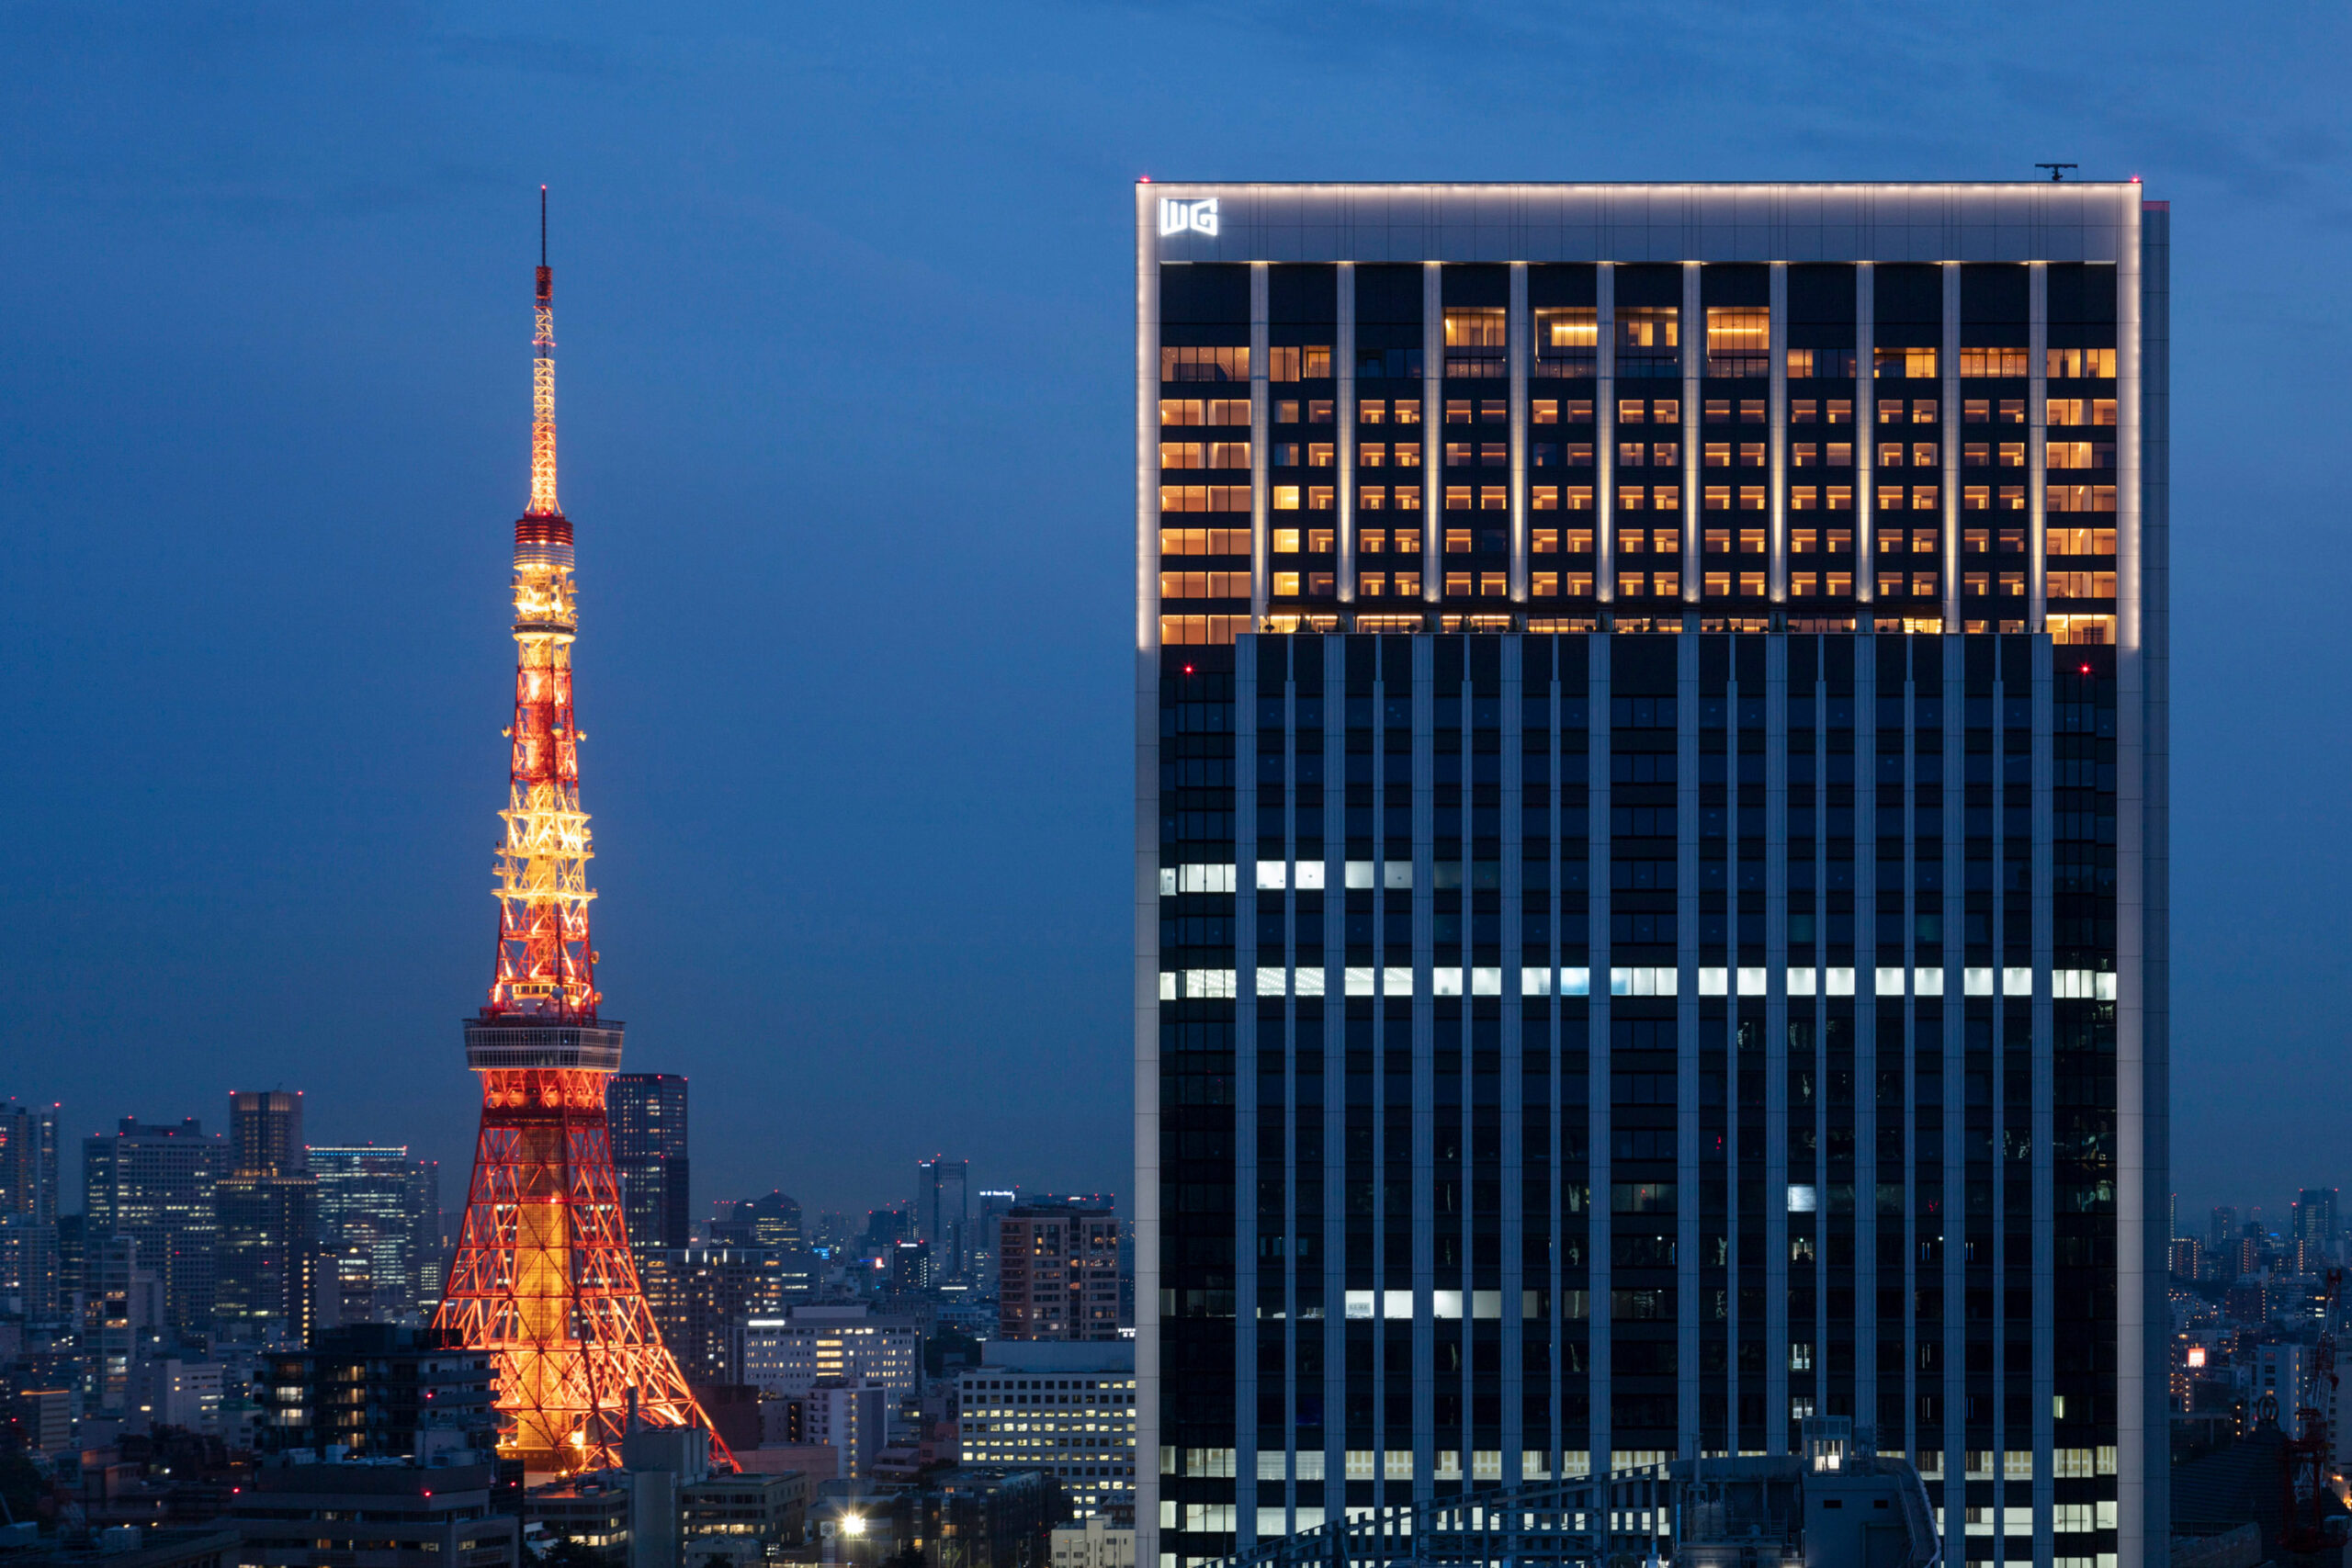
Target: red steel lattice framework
{"points": [[543, 1279]]}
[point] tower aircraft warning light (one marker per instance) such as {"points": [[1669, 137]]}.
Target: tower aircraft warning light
{"points": [[543, 1279]]}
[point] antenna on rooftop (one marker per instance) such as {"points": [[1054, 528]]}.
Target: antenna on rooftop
{"points": [[2057, 171]]}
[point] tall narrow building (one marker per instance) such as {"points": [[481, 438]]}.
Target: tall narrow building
{"points": [[543, 1278], [267, 1258], [122, 1314], [29, 1260], [942, 1213], [1651, 814], [647, 1114]]}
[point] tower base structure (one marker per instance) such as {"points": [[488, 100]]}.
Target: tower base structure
{"points": [[543, 1279]]}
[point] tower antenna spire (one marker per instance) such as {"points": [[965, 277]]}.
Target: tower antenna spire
{"points": [[543, 502]]}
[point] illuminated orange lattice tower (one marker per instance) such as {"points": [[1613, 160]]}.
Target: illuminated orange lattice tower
{"points": [[543, 1279]]}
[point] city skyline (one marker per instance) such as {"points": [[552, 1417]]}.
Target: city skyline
{"points": [[225, 914]]}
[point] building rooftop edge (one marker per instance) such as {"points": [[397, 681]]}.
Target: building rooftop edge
{"points": [[2005, 186]]}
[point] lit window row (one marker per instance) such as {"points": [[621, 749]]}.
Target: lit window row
{"points": [[1235, 585], [2066, 984], [1187, 412], [1648, 342]]}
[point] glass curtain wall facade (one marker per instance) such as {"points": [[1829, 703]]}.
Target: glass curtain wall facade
{"points": [[1650, 845], [650, 1152], [379, 1217]]}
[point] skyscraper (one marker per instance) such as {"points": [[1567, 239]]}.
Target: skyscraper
{"points": [[432, 1248], [159, 1185], [543, 1278], [268, 1245], [28, 1262], [266, 1130], [380, 1226], [2311, 1241], [1651, 811], [942, 1213], [647, 1112]]}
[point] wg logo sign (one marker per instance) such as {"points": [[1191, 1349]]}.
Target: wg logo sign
{"points": [[1181, 217]]}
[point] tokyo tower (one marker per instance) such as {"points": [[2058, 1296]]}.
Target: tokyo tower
{"points": [[543, 1279]]}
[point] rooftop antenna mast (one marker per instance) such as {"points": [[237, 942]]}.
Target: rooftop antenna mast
{"points": [[2057, 174]]}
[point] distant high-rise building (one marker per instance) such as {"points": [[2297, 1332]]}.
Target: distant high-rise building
{"points": [[380, 1228], [913, 1268], [265, 1130], [266, 1247], [72, 1232], [942, 1213], [2315, 1215], [994, 1204], [887, 1228], [123, 1307], [648, 1114], [2222, 1230], [1058, 1273], [774, 1219], [432, 1254], [159, 1185], [28, 1266], [703, 1298]]}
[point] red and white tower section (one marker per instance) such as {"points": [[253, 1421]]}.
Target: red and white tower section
{"points": [[543, 1278]]}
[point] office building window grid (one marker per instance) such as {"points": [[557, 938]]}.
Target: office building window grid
{"points": [[1078, 1426], [1574, 1050], [1058, 1274], [1851, 447], [1730, 940]]}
